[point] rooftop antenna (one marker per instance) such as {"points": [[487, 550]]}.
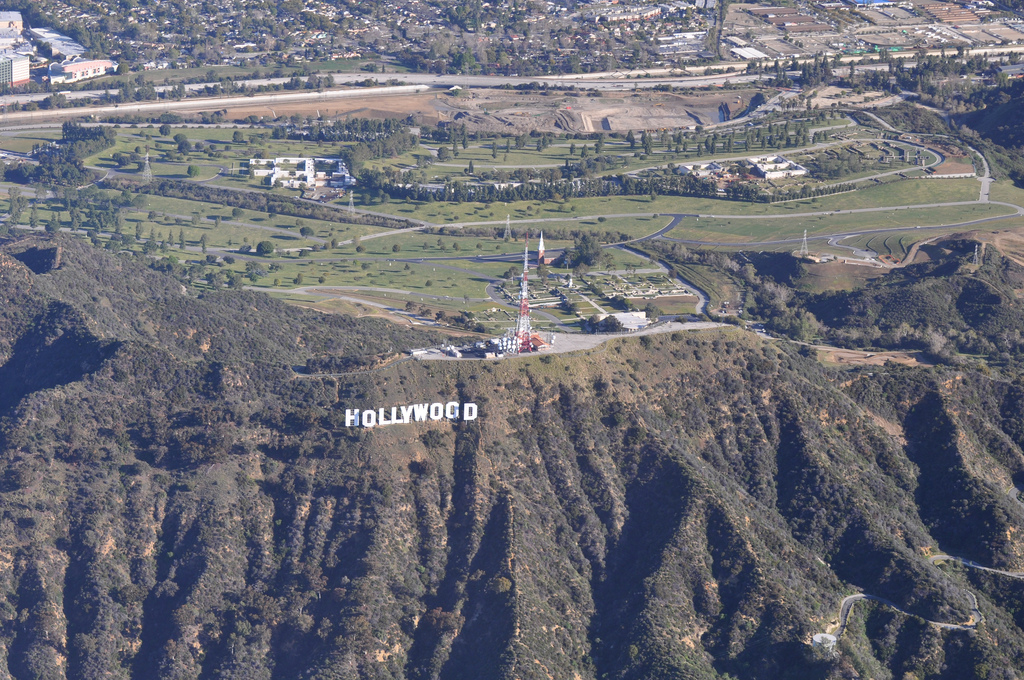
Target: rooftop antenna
{"points": [[508, 229], [803, 246]]}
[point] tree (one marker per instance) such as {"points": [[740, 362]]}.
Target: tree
{"points": [[17, 203], [306, 231], [165, 130], [184, 146], [395, 248], [202, 242], [236, 213], [237, 137], [193, 171], [265, 248]]}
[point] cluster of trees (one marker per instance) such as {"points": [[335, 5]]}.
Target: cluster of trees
{"points": [[61, 164], [252, 200]]}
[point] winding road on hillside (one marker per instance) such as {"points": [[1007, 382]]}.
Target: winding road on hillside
{"points": [[846, 606]]}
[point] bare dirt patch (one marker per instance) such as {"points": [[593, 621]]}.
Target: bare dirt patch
{"points": [[832, 276], [851, 357], [827, 96], [1009, 242], [512, 112], [422, 107]]}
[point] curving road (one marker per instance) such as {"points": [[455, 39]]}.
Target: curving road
{"points": [[847, 605], [974, 565], [977, 617]]}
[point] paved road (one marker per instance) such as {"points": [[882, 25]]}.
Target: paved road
{"points": [[974, 565], [574, 342], [1016, 493], [976, 616], [847, 605], [844, 235]]}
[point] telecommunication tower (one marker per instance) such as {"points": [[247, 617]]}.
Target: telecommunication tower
{"points": [[975, 253], [523, 329], [351, 203], [518, 339], [803, 246], [508, 229], [540, 250]]}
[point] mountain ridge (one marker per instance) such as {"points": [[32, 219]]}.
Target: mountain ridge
{"points": [[692, 505]]}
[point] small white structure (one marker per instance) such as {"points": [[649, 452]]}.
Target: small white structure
{"points": [[296, 172], [775, 167], [824, 641], [700, 169]]}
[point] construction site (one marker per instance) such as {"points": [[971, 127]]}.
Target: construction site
{"points": [[502, 111]]}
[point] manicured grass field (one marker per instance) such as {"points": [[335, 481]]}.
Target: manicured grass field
{"points": [[911, 192], [23, 142], [741, 231]]}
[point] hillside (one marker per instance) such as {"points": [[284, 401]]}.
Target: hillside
{"points": [[946, 305], [176, 502]]}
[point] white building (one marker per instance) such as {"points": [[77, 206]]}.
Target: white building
{"points": [[75, 70], [59, 44], [10, 38], [775, 167], [14, 69], [294, 173], [700, 169]]}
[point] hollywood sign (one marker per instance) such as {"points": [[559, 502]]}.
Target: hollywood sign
{"points": [[418, 413]]}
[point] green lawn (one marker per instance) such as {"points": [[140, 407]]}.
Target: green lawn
{"points": [[1006, 191], [741, 231], [911, 192], [23, 142]]}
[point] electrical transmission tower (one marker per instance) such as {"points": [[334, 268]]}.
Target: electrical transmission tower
{"points": [[147, 172], [803, 246], [508, 229]]}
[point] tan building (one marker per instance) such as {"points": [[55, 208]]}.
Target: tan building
{"points": [[12, 21]]}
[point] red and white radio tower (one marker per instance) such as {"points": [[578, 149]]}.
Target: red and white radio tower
{"points": [[523, 330]]}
